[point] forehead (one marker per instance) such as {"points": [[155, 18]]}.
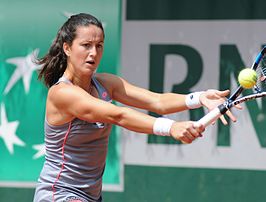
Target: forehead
{"points": [[90, 32]]}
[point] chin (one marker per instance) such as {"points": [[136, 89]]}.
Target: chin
{"points": [[90, 71], [89, 66]]}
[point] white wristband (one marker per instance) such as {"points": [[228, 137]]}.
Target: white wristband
{"points": [[193, 101], [162, 126]]}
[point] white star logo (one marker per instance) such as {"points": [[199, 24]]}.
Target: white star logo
{"points": [[24, 70], [67, 14], [8, 132], [40, 150]]}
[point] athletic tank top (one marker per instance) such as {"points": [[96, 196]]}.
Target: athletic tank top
{"points": [[76, 154]]}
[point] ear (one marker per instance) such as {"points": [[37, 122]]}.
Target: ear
{"points": [[66, 48]]}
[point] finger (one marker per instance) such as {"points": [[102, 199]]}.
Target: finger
{"points": [[238, 106], [185, 140], [200, 128], [193, 132], [217, 95], [223, 120], [224, 93], [231, 116], [189, 135]]}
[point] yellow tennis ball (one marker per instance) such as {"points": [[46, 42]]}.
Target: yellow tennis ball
{"points": [[247, 78]]}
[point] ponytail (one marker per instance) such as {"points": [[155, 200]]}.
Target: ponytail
{"points": [[54, 63]]}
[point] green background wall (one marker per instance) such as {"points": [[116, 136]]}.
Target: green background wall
{"points": [[28, 29]]}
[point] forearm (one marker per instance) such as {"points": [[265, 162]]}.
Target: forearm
{"points": [[142, 123], [171, 103], [135, 120]]}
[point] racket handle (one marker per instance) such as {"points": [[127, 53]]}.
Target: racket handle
{"points": [[211, 116]]}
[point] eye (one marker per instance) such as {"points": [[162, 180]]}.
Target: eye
{"points": [[86, 45], [100, 46]]}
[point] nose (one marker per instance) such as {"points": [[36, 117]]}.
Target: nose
{"points": [[93, 51]]}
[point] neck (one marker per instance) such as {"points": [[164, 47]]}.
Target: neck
{"points": [[83, 82]]}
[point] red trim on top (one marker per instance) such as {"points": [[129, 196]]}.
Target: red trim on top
{"points": [[63, 160]]}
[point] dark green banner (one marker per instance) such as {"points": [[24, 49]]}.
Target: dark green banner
{"points": [[195, 10]]}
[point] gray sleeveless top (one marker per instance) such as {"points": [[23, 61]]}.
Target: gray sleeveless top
{"points": [[75, 157]]}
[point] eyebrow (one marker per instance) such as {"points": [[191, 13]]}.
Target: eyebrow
{"points": [[84, 41]]}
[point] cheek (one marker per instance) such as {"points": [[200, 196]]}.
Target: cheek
{"points": [[100, 53], [80, 55], [77, 59]]}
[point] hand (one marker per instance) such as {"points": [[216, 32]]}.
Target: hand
{"points": [[213, 98], [186, 131]]}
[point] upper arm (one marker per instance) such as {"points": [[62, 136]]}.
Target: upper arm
{"points": [[131, 95], [73, 101]]}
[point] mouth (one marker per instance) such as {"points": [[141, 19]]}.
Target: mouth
{"points": [[91, 62]]}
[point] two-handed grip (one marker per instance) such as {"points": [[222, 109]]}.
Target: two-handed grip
{"points": [[212, 116]]}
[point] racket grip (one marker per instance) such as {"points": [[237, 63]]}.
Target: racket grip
{"points": [[211, 116]]}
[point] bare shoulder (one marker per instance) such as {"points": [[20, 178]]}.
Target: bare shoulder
{"points": [[58, 100], [106, 77], [62, 100], [109, 81], [61, 93], [58, 90]]}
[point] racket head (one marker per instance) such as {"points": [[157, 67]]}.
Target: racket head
{"points": [[259, 89], [260, 67]]}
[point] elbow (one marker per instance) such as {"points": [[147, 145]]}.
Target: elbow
{"points": [[158, 106], [119, 116], [159, 109], [162, 112], [123, 116]]}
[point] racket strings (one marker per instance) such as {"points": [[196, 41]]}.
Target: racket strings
{"points": [[261, 73]]}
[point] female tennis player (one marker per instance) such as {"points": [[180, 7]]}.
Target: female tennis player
{"points": [[80, 113]]}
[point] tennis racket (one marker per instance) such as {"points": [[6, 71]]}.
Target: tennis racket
{"points": [[258, 91]]}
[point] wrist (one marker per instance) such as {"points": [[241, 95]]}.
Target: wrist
{"points": [[162, 126], [193, 100]]}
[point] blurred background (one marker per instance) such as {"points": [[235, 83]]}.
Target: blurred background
{"points": [[162, 45]]}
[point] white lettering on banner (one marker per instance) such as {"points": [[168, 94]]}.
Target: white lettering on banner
{"points": [[206, 37]]}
